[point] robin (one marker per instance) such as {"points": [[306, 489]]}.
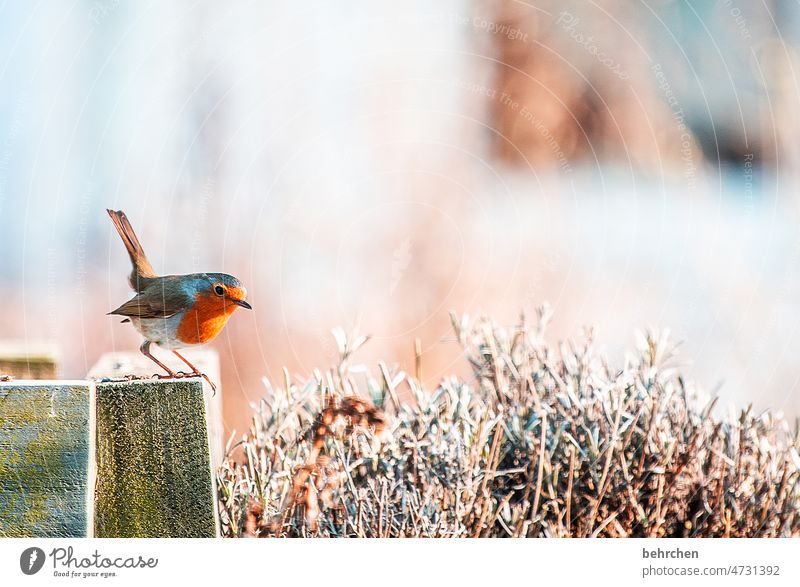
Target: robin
{"points": [[175, 311]]}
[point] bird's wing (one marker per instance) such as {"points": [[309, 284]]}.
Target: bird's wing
{"points": [[160, 299]]}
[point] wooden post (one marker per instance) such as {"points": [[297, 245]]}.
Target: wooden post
{"points": [[45, 452], [25, 360], [120, 364], [154, 472], [110, 458]]}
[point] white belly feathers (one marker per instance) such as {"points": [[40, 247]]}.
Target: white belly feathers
{"points": [[157, 330]]}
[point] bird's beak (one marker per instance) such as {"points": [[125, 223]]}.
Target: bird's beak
{"points": [[243, 304]]}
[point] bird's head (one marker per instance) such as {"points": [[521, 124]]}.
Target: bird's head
{"points": [[224, 290]]}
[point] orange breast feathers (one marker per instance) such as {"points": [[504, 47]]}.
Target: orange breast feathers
{"points": [[206, 319]]}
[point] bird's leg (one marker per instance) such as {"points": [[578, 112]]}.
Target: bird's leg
{"points": [[145, 350], [195, 371]]}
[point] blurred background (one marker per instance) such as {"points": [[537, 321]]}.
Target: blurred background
{"points": [[377, 164]]}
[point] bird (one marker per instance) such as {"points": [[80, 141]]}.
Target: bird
{"points": [[175, 311]]}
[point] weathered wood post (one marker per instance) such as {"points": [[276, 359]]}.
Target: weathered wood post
{"points": [[120, 364], [110, 457], [154, 471], [45, 456], [159, 443], [25, 360]]}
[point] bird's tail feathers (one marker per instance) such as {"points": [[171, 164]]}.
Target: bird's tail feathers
{"points": [[141, 266]]}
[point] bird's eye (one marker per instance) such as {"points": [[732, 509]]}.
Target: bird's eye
{"points": [[219, 290]]}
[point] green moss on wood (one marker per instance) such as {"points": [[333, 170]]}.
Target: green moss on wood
{"points": [[44, 459], [153, 469]]}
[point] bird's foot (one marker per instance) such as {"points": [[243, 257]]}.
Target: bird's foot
{"points": [[211, 383], [165, 376]]}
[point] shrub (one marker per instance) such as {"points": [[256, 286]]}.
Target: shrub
{"points": [[541, 442]]}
